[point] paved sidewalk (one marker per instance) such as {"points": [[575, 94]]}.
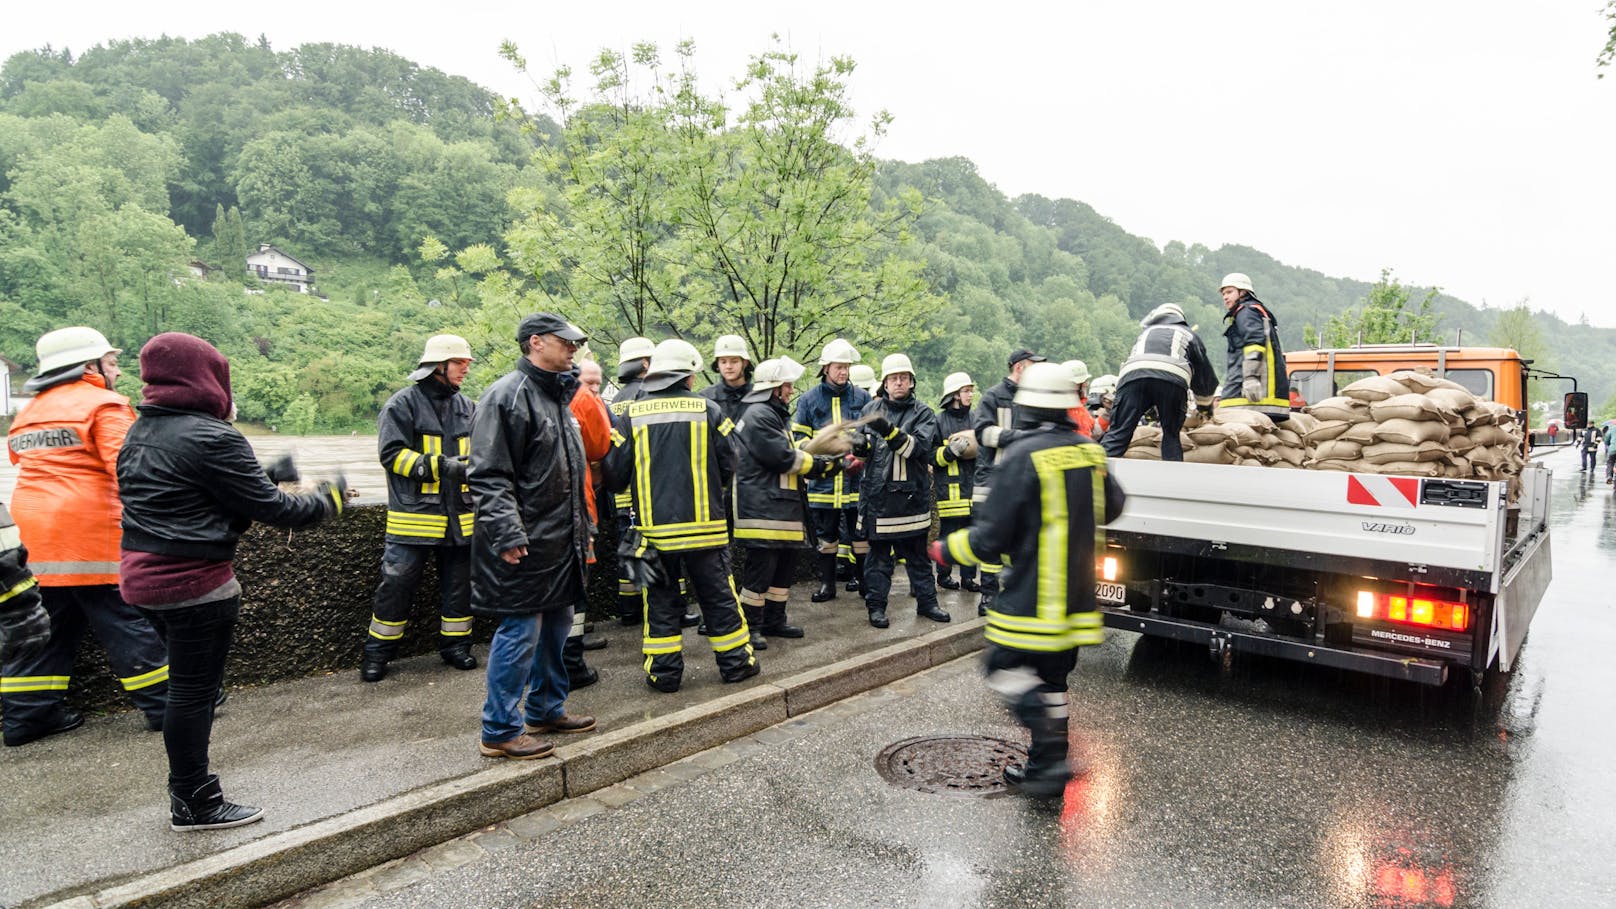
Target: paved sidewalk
{"points": [[353, 775]]}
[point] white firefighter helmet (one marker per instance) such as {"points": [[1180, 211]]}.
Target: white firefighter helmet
{"points": [[772, 374], [1237, 280], [1106, 384], [1047, 385], [955, 381], [1162, 313], [671, 361], [896, 363], [864, 377], [1078, 369], [68, 347], [730, 346], [634, 349], [440, 349], [838, 351]]}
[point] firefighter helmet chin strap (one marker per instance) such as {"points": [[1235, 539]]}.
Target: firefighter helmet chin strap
{"points": [[96, 365]]}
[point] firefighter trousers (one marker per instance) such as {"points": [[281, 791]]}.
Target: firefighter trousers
{"points": [[1034, 687], [709, 573], [33, 689], [884, 556], [402, 567]]}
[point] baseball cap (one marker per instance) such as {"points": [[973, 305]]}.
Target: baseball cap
{"points": [[544, 323], [1025, 354]]}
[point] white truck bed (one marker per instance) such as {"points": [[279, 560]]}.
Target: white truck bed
{"points": [[1326, 515]]}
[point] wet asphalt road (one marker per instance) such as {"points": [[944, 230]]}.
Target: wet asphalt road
{"points": [[1272, 784]]}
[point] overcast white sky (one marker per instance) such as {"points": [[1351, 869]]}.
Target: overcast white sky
{"points": [[1464, 143]]}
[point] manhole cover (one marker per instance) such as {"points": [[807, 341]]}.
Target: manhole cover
{"points": [[968, 765]]}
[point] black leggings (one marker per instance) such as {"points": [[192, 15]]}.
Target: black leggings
{"points": [[198, 644]]}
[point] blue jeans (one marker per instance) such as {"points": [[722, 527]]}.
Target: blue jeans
{"points": [[526, 651]]}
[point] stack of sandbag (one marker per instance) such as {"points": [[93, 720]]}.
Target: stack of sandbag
{"points": [[1228, 437], [1146, 444], [1413, 423]]}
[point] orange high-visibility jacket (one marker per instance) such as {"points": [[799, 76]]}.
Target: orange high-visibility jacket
{"points": [[66, 505]]}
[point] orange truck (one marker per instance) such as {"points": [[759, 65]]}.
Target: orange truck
{"points": [[1425, 579]]}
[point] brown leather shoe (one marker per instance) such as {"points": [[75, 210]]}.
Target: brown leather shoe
{"points": [[522, 748], [565, 724]]}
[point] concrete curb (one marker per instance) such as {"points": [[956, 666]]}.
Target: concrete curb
{"points": [[287, 863]]}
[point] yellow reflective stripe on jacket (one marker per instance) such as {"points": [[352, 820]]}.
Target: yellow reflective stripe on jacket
{"points": [[432, 448], [681, 543], [18, 684], [468, 523], [146, 679], [428, 526], [404, 462], [1088, 628], [22, 585], [959, 547], [698, 471], [642, 469]]}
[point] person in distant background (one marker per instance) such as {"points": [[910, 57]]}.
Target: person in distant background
{"points": [[1590, 449]]}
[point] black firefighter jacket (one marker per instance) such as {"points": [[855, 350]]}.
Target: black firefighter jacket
{"points": [[895, 494], [1255, 353], [527, 474], [1168, 349], [420, 429], [770, 479], [632, 390], [951, 478], [994, 419], [671, 450], [1051, 495], [728, 398]]}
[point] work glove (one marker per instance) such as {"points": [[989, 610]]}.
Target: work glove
{"points": [[281, 470], [880, 425], [641, 566], [337, 492], [851, 465], [824, 466], [1252, 389], [25, 628], [956, 447], [861, 447], [935, 552], [453, 470], [1204, 410]]}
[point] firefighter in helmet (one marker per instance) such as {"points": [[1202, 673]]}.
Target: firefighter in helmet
{"points": [[833, 500]]}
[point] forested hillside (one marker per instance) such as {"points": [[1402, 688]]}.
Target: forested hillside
{"points": [[424, 203]]}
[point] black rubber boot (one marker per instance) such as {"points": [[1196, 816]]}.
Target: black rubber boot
{"points": [[207, 809], [775, 624], [372, 670], [827, 579], [934, 612], [855, 583], [878, 616], [754, 626], [579, 675], [945, 579], [459, 656]]}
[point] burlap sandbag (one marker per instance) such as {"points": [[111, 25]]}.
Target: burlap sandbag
{"points": [[1340, 408], [1251, 463], [1503, 414], [1146, 436], [1337, 450], [1459, 443], [1406, 407], [1459, 466], [1243, 435], [1287, 437], [1142, 454], [1390, 452], [1211, 454], [1300, 423], [1209, 434], [1327, 430], [1411, 432], [1407, 468], [1343, 466], [1289, 456], [1479, 415], [1484, 457], [1489, 435], [1262, 455], [1424, 383], [1362, 433], [1375, 388], [1452, 398], [1257, 421]]}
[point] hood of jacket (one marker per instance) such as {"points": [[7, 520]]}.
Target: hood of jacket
{"points": [[184, 372]]}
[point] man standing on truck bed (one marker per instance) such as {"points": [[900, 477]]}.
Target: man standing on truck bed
{"points": [[1256, 377]]}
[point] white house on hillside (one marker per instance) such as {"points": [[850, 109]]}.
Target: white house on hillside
{"points": [[270, 264]]}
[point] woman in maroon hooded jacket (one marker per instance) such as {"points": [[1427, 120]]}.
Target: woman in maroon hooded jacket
{"points": [[191, 486]]}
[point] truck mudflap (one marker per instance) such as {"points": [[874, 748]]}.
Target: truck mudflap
{"points": [[1217, 638]]}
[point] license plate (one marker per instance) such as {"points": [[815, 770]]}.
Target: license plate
{"points": [[1115, 594]]}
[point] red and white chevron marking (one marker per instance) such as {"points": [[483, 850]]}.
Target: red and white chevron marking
{"points": [[1383, 492]]}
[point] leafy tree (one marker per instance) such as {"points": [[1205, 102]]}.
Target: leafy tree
{"points": [[1608, 54], [1385, 318], [300, 415]]}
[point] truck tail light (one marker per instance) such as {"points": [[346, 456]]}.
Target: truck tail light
{"points": [[1412, 609], [1109, 569]]}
